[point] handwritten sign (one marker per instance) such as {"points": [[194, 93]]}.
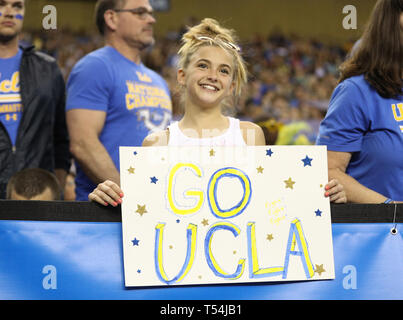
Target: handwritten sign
{"points": [[201, 215]]}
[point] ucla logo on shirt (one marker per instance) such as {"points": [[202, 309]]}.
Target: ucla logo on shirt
{"points": [[398, 113], [10, 103], [143, 77], [10, 85], [10, 98]]}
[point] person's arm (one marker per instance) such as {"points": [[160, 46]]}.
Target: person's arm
{"points": [[84, 128], [355, 192], [252, 134]]}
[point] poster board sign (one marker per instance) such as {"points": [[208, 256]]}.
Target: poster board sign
{"points": [[202, 215]]}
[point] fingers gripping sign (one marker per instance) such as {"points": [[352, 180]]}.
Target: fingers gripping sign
{"points": [[107, 192]]}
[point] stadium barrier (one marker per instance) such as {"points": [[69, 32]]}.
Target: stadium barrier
{"points": [[73, 251]]}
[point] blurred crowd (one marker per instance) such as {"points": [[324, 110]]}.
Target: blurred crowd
{"points": [[290, 83]]}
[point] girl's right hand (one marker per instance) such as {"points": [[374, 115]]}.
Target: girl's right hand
{"points": [[107, 192]]}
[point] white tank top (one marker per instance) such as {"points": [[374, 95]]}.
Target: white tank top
{"points": [[231, 137]]}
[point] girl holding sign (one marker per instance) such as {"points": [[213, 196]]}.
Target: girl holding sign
{"points": [[211, 71]]}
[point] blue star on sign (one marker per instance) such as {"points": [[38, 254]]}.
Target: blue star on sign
{"points": [[135, 242], [318, 213], [135, 153], [269, 152], [154, 180], [307, 161]]}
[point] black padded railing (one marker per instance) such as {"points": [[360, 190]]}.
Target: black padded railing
{"points": [[92, 212]]}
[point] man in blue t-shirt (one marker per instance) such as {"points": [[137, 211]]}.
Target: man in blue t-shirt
{"points": [[112, 98]]}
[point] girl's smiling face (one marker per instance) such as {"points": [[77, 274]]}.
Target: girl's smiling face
{"points": [[208, 78]]}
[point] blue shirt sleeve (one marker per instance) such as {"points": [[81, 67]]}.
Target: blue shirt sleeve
{"points": [[89, 85], [346, 120]]}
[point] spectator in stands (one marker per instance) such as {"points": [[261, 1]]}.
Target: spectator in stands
{"points": [[33, 130], [363, 128], [33, 184], [113, 99]]}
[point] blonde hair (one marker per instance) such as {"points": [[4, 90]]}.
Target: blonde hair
{"points": [[209, 32]]}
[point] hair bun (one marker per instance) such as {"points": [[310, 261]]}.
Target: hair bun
{"points": [[209, 27]]}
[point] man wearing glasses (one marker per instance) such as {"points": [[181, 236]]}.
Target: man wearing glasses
{"points": [[112, 98]]}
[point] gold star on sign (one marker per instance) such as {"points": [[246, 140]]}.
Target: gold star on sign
{"points": [[260, 169], [319, 269], [212, 153], [204, 222], [131, 170], [289, 183], [270, 237], [141, 209]]}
